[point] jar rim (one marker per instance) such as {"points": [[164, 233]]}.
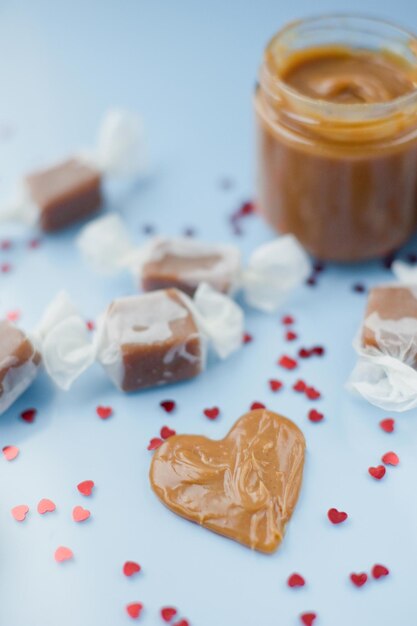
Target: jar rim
{"points": [[352, 111]]}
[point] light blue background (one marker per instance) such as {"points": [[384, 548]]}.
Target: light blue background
{"points": [[189, 67]]}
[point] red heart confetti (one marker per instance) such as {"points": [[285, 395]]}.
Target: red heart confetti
{"points": [[104, 412], [312, 393], [168, 405], [303, 353], [79, 514], [154, 443], [387, 425], [63, 554], [377, 472], [359, 579], [308, 619], [299, 386], [275, 385], [6, 244], [19, 512], [5, 268], [288, 320], [168, 613], [134, 609], [314, 416], [33, 244], [379, 571], [336, 517], [287, 362], [317, 350], [167, 432], [28, 415], [13, 316], [247, 338], [130, 568], [296, 580], [46, 506], [90, 325], [291, 335], [390, 458], [257, 405], [182, 622], [10, 452], [86, 487], [212, 413]]}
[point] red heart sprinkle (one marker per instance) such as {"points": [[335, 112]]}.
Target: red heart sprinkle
{"points": [[287, 320], [63, 554], [312, 394], [79, 514], [275, 385], [13, 316], [308, 619], [257, 405], [296, 580], [378, 571], [104, 412], [182, 622], [287, 362], [247, 338], [168, 405], [377, 472], [299, 386], [336, 517], [154, 443], [359, 579], [90, 325], [387, 424], [303, 353], [10, 452], [28, 415], [134, 609], [318, 350], [212, 413], [130, 568], [19, 512], [168, 612], [167, 432], [5, 244], [5, 268], [34, 243], [46, 506], [86, 487], [291, 335], [390, 458], [314, 416]]}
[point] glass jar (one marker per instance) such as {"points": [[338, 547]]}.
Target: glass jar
{"points": [[341, 177]]}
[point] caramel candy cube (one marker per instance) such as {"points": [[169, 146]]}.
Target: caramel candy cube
{"points": [[19, 364], [65, 193], [150, 339], [184, 264], [390, 323]]}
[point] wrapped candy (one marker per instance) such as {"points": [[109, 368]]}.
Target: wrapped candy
{"points": [[141, 341], [386, 371], [273, 270], [69, 191]]}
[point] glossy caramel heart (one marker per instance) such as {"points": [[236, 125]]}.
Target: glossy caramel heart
{"points": [[244, 486]]}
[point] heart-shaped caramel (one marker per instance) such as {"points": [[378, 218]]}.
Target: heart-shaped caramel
{"points": [[244, 486]]}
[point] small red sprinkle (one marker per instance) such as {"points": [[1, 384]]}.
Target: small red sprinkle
{"points": [[247, 208], [377, 472], [390, 458], [167, 432], [10, 452], [299, 386], [336, 517], [13, 316], [308, 619], [359, 579], [79, 514], [257, 405], [182, 622], [168, 405], [34, 243], [130, 568], [314, 416], [28, 415], [134, 609], [5, 244], [63, 554], [387, 424], [168, 613], [296, 580], [104, 412], [212, 413], [303, 353], [318, 350], [291, 335], [247, 338], [275, 385], [46, 506], [90, 325], [287, 320], [86, 487], [5, 268], [19, 512], [379, 571], [312, 393], [154, 443], [287, 362]]}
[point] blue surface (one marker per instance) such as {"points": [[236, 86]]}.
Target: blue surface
{"points": [[189, 67]]}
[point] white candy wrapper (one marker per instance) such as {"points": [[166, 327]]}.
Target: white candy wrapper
{"points": [[120, 152], [274, 269]]}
